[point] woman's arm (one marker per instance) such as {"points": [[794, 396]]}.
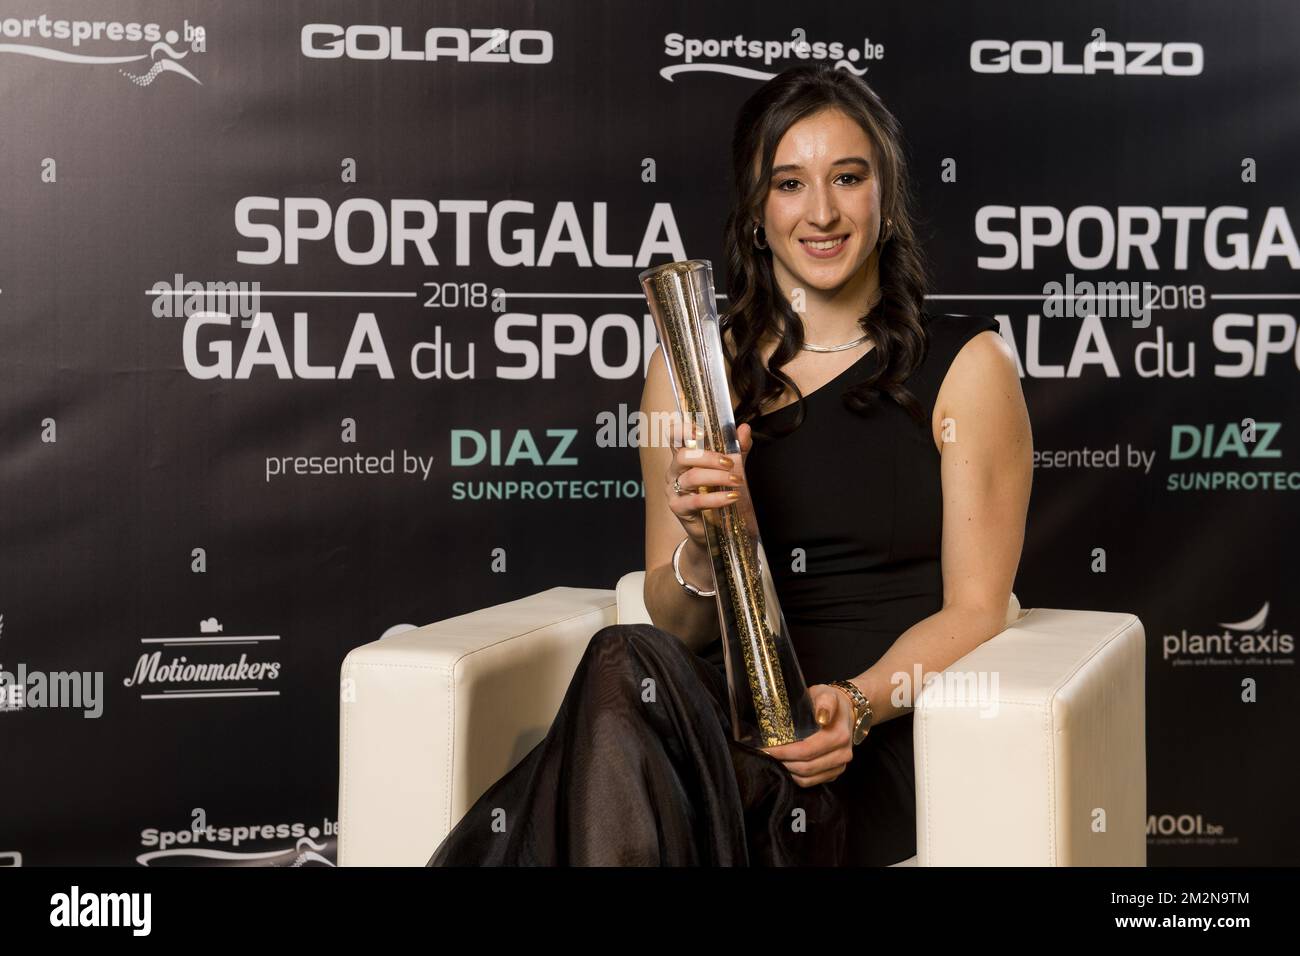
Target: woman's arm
{"points": [[691, 618], [986, 474]]}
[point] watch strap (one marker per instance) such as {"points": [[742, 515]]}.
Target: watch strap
{"points": [[861, 707]]}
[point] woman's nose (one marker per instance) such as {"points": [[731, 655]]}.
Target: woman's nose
{"points": [[822, 211]]}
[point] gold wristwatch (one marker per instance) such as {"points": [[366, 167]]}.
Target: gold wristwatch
{"points": [[861, 708]]}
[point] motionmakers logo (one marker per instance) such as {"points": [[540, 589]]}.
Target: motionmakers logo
{"points": [[205, 669]]}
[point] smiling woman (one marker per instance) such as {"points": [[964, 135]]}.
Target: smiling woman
{"points": [[887, 454], [810, 139]]}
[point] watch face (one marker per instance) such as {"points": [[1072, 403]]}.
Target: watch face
{"points": [[860, 729]]}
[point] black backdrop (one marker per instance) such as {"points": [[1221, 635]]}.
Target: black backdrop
{"points": [[137, 515]]}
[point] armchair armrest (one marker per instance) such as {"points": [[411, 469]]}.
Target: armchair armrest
{"points": [[431, 717], [1048, 768]]}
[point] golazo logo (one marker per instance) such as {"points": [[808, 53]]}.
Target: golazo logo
{"points": [[329, 41], [1099, 56], [162, 54], [102, 909]]}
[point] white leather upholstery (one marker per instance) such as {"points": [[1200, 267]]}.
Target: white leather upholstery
{"points": [[630, 595], [431, 717], [1051, 769]]}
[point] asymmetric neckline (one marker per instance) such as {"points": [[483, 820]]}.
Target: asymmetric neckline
{"points": [[824, 386]]}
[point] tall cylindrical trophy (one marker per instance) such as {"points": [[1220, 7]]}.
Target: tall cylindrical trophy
{"points": [[770, 704]]}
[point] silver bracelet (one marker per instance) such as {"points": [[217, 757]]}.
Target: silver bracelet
{"points": [[677, 571]]}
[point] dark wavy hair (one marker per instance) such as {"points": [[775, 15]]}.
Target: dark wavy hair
{"points": [[757, 309]]}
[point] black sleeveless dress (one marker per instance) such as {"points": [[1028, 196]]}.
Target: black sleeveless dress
{"points": [[631, 776]]}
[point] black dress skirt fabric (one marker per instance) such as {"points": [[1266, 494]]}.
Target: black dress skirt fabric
{"points": [[639, 766]]}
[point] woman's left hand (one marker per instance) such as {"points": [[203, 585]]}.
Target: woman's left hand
{"points": [[824, 755]]}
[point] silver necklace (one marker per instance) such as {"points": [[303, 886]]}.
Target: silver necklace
{"points": [[837, 348]]}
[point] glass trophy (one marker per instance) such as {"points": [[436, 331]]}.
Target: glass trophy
{"points": [[770, 704]]}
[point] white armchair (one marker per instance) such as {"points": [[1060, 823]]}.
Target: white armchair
{"points": [[1046, 768]]}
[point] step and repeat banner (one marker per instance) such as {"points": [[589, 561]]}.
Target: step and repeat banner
{"points": [[320, 320]]}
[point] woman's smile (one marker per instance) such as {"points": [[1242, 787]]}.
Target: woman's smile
{"points": [[823, 247]]}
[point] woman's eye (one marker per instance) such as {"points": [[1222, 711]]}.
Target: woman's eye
{"points": [[855, 179]]}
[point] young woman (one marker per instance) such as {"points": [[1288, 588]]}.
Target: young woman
{"points": [[887, 453]]}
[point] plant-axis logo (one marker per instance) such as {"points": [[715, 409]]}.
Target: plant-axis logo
{"points": [[1249, 642]]}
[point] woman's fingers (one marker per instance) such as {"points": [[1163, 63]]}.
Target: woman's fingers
{"points": [[811, 772], [820, 769], [823, 755], [809, 755], [687, 434], [746, 436], [682, 431], [685, 505], [694, 468], [813, 781], [693, 478]]}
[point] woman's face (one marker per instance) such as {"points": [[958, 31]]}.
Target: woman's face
{"points": [[824, 186]]}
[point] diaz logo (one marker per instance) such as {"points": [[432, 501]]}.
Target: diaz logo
{"points": [[1225, 445], [49, 39]]}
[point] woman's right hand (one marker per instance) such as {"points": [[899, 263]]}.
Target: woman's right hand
{"points": [[691, 468]]}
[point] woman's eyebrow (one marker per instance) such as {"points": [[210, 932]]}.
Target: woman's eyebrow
{"points": [[846, 161]]}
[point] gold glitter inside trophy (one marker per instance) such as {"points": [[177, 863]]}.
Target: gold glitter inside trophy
{"points": [[770, 704]]}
